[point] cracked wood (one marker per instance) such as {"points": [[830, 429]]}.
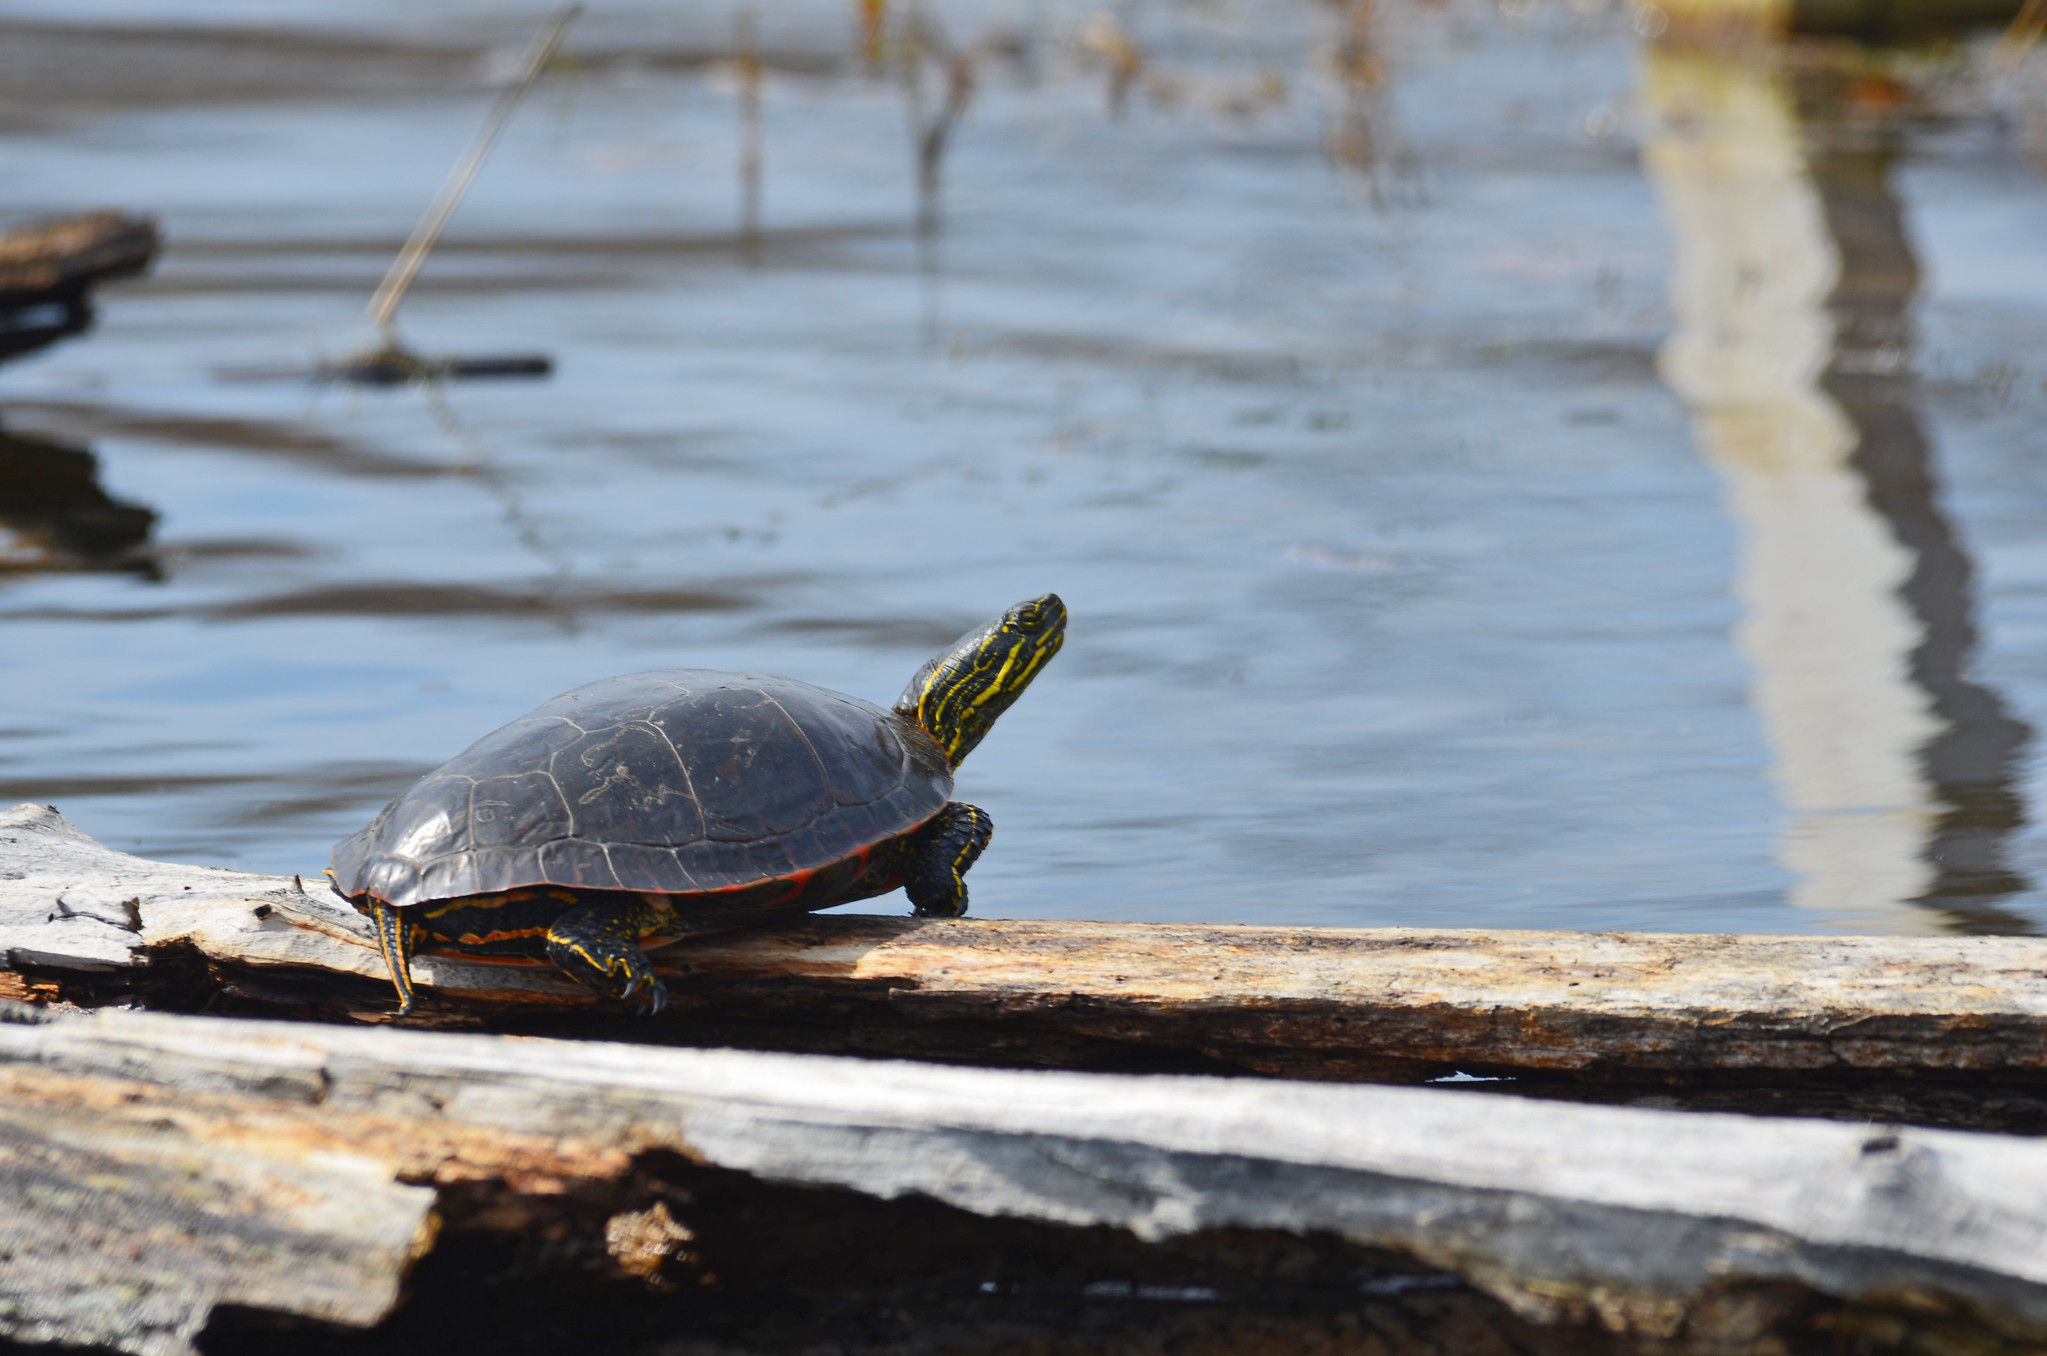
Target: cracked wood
{"points": [[1383, 1003]]}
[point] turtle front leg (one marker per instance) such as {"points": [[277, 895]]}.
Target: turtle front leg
{"points": [[598, 946], [940, 854], [394, 939]]}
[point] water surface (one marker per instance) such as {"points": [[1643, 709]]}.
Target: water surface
{"points": [[1501, 475]]}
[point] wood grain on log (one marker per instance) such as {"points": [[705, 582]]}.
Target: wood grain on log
{"points": [[153, 1166], [1388, 1004]]}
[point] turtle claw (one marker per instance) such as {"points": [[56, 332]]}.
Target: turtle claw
{"points": [[394, 939], [598, 947], [641, 979]]}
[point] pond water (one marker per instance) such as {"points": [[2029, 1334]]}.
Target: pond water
{"points": [[1502, 473]]}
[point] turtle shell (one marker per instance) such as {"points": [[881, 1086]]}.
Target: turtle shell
{"points": [[678, 781]]}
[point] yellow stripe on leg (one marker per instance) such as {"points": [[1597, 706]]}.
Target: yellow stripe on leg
{"points": [[394, 939], [969, 850]]}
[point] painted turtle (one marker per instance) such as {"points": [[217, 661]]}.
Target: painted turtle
{"points": [[638, 810]]}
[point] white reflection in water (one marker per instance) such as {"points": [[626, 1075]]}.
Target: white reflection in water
{"points": [[1788, 288]]}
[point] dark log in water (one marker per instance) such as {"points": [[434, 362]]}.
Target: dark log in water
{"points": [[42, 260], [48, 268]]}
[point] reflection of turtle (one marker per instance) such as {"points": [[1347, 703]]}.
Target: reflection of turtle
{"points": [[638, 810]]}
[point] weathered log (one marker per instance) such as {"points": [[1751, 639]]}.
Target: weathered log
{"points": [[1940, 1027], [47, 268], [51, 258], [154, 1166]]}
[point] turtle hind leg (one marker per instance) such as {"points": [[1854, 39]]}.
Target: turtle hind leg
{"points": [[941, 853], [598, 946], [394, 939]]}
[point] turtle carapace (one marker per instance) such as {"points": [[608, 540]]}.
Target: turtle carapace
{"points": [[638, 810]]}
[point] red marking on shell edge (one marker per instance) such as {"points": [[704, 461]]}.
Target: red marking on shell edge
{"points": [[428, 944], [800, 878]]}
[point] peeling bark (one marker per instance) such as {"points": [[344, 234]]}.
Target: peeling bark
{"points": [[157, 1171]]}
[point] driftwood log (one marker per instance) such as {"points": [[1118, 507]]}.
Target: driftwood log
{"points": [[48, 269], [156, 1168], [62, 256], [1941, 1031], [174, 1181]]}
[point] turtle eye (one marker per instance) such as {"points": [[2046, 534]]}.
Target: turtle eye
{"points": [[1036, 616]]}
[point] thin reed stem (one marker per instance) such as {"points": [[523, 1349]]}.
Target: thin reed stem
{"points": [[384, 305]]}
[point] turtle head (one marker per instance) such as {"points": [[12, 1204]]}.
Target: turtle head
{"points": [[958, 695]]}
